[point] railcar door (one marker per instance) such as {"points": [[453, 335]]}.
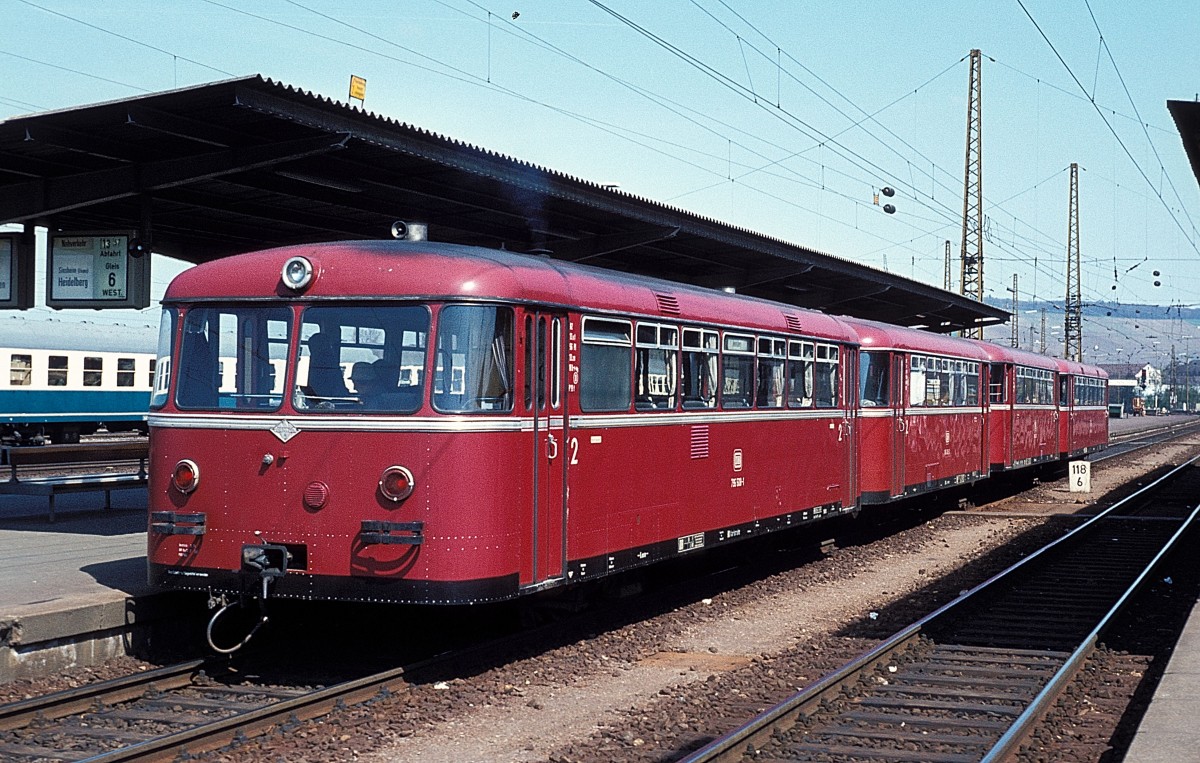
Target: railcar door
{"points": [[899, 399], [545, 399]]}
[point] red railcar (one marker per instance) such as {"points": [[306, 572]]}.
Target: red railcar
{"points": [[1083, 409], [417, 422], [674, 418], [922, 423]]}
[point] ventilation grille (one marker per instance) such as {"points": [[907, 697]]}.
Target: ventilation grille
{"points": [[700, 441], [667, 303], [793, 322]]}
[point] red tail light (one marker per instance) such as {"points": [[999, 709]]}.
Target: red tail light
{"points": [[186, 476], [396, 484]]}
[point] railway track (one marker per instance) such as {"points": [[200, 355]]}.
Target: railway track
{"points": [[968, 682]]}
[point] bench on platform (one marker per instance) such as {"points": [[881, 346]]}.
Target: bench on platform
{"points": [[17, 456]]}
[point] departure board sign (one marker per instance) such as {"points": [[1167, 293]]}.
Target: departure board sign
{"points": [[96, 270], [16, 272]]}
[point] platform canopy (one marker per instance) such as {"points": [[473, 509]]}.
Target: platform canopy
{"points": [[249, 163]]}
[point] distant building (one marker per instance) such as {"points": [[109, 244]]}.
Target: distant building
{"points": [[1130, 384]]}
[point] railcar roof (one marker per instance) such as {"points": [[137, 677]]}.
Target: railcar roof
{"points": [[885, 336], [425, 270]]}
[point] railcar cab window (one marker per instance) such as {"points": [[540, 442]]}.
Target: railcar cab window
{"points": [[701, 350], [232, 358], [737, 371], [605, 367], [361, 359], [772, 366], [473, 365], [657, 368], [873, 386], [161, 368]]}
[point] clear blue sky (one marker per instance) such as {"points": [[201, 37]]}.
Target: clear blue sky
{"points": [[753, 113]]}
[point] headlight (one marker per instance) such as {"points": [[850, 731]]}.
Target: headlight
{"points": [[297, 273]]}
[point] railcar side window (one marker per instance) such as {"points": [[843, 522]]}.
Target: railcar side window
{"points": [[737, 371], [700, 358], [93, 371], [656, 372], [996, 383], [605, 365], [365, 359], [56, 371], [160, 368], [827, 376], [20, 370], [873, 378], [800, 374], [772, 361], [1035, 386], [126, 368], [475, 342], [233, 358]]}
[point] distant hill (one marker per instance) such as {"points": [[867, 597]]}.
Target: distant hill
{"points": [[1112, 332]]}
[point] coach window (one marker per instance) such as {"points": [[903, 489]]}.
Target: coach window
{"points": [[475, 342], [800, 373], [737, 371], [126, 368], [971, 384], [56, 371], [93, 371], [827, 376], [656, 372], [20, 370], [605, 365], [873, 378], [700, 359], [230, 358]]}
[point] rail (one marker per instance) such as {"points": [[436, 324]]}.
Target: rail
{"points": [[19, 459], [967, 682]]}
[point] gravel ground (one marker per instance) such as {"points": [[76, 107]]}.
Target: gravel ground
{"points": [[663, 685]]}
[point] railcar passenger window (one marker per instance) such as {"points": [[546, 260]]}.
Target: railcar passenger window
{"points": [[737, 371], [370, 359], [656, 372], [476, 343], [233, 358], [56, 371], [873, 382], [93, 372], [605, 365], [916, 381], [125, 371], [772, 362], [801, 373], [20, 371], [826, 387], [700, 358]]}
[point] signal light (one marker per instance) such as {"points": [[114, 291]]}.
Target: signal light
{"points": [[397, 483], [186, 476]]}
